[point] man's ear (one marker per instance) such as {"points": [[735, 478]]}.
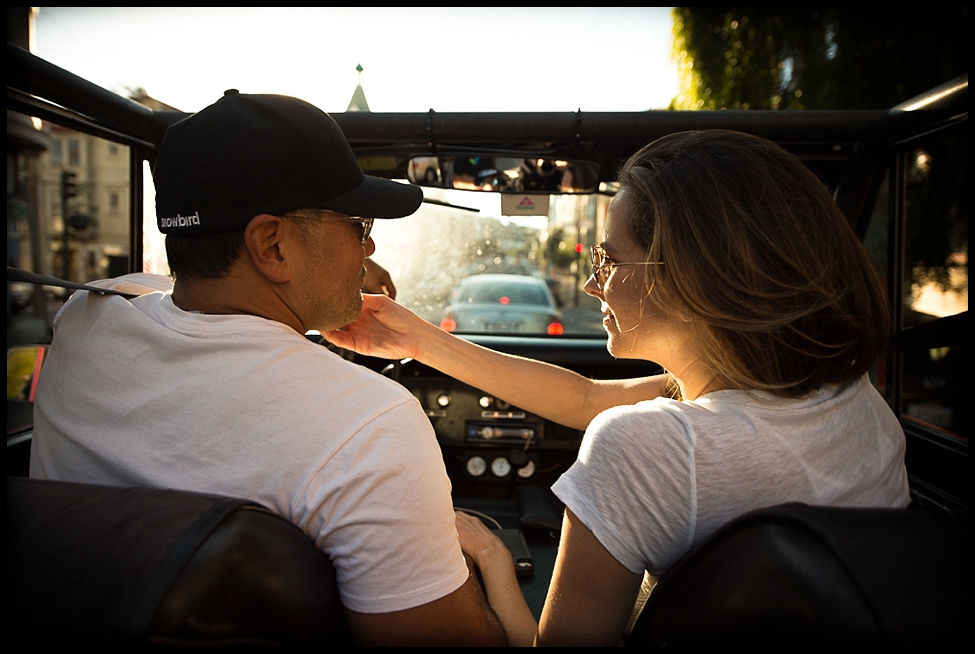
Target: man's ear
{"points": [[263, 239]]}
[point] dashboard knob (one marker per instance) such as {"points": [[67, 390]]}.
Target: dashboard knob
{"points": [[527, 471], [501, 467], [518, 457], [476, 466], [443, 400], [485, 401]]}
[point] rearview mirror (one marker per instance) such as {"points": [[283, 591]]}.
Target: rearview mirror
{"points": [[497, 173]]}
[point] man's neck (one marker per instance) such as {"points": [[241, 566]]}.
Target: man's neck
{"points": [[233, 295]]}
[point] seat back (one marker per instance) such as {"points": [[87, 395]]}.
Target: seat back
{"points": [[799, 575], [141, 566]]}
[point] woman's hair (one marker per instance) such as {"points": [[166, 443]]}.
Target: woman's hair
{"points": [[761, 268]]}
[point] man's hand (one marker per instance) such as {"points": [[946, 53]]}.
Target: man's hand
{"points": [[500, 584], [479, 543], [378, 280], [384, 329]]}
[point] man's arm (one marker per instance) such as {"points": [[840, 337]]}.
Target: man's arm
{"points": [[461, 618], [383, 513], [590, 599]]}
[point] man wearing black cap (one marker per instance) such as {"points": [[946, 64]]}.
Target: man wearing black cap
{"points": [[209, 384]]}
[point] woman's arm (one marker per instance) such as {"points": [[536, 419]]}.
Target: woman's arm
{"points": [[592, 594], [386, 329]]}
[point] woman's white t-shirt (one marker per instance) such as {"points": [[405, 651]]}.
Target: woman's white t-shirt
{"points": [[655, 478]]}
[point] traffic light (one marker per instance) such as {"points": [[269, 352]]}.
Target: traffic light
{"points": [[77, 221], [69, 185], [69, 189]]}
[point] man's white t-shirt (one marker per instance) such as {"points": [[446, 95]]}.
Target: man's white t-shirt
{"points": [[141, 393], [658, 477]]}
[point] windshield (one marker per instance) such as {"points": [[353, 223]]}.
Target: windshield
{"points": [[444, 259]]}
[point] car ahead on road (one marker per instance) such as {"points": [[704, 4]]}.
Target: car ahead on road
{"points": [[500, 303], [899, 176]]}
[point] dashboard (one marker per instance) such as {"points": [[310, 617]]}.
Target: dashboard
{"points": [[490, 446]]}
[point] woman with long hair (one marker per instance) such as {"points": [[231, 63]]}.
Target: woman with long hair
{"points": [[726, 261]]}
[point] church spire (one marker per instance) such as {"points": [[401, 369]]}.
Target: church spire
{"points": [[358, 101]]}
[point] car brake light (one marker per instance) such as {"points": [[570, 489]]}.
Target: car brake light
{"points": [[555, 329], [504, 299], [448, 324]]}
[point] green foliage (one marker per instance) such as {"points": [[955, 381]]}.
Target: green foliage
{"points": [[20, 371], [844, 58], [561, 253], [815, 58]]}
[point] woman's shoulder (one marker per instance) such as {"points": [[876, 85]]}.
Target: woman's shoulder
{"points": [[833, 398], [668, 410], [656, 407], [661, 421]]}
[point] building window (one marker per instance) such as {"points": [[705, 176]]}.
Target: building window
{"points": [[56, 151], [74, 152], [113, 201]]}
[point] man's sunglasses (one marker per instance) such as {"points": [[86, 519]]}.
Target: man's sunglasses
{"points": [[333, 216]]}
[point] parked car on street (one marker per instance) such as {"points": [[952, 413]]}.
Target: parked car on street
{"points": [[511, 304]]}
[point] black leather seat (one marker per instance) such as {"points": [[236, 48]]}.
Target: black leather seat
{"points": [[796, 575], [141, 566]]}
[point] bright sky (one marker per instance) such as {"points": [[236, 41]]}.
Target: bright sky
{"points": [[452, 59]]}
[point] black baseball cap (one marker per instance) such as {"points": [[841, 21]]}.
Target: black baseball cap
{"points": [[246, 155]]}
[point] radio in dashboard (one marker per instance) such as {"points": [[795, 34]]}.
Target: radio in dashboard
{"points": [[515, 434]]}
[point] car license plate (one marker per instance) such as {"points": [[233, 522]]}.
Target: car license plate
{"points": [[502, 326]]}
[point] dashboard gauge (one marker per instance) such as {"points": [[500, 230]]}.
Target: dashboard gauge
{"points": [[501, 467], [485, 401], [476, 466], [526, 471]]}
